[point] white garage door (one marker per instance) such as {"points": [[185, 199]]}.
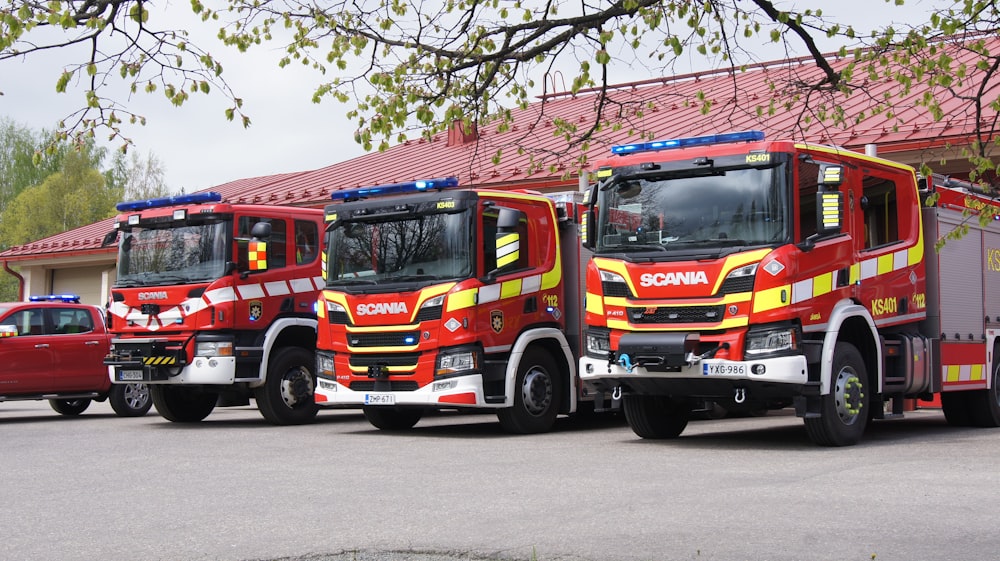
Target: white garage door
{"points": [[82, 281]]}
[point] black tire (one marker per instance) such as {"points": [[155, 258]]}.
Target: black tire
{"points": [[844, 411], [69, 407], [287, 396], [392, 418], [984, 405], [537, 392], [130, 400], [955, 406], [182, 404], [655, 416]]}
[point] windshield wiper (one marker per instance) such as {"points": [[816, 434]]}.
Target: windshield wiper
{"points": [[636, 247], [412, 278], [349, 282]]}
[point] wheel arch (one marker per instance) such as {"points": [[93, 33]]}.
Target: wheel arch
{"points": [[851, 323], [554, 342], [286, 332]]}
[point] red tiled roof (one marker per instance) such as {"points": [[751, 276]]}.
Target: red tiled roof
{"points": [[662, 108]]}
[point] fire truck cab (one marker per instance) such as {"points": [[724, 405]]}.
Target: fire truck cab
{"points": [[736, 270], [443, 298], [214, 302]]}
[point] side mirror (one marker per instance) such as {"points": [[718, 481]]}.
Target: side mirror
{"points": [[109, 238], [7, 331], [507, 240], [829, 212]]}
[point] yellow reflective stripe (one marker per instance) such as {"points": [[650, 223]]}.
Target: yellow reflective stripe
{"points": [[771, 299], [594, 304], [964, 372], [822, 284], [508, 249], [461, 300], [159, 360], [510, 289], [387, 350]]}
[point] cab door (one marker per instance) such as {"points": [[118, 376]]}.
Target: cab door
{"points": [[27, 357], [81, 347]]}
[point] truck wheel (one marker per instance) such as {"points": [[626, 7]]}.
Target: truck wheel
{"points": [[69, 407], [655, 416], [286, 398], [536, 395], [984, 405], [956, 409], [392, 418], [130, 400], [182, 404], [844, 411]]}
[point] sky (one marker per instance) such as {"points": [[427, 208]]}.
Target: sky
{"points": [[198, 148]]}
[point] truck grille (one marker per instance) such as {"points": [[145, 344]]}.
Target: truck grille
{"points": [[401, 359], [391, 339], [683, 314]]}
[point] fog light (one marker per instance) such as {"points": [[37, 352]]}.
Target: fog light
{"points": [[444, 386], [758, 369]]}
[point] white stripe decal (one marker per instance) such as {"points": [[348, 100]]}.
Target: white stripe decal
{"points": [[277, 288], [302, 285], [489, 293], [250, 291]]}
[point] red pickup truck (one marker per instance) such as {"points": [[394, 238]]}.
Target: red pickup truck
{"points": [[53, 348]]}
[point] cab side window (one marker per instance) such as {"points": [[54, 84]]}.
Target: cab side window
{"points": [[30, 321], [71, 321], [881, 213], [277, 250], [489, 244], [808, 180], [306, 242]]}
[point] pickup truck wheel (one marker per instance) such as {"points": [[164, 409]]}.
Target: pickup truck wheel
{"points": [[843, 411], [392, 418], [536, 395], [130, 400], [287, 397], [182, 404], [69, 407], [655, 416]]}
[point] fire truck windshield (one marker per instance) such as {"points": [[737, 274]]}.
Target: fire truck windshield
{"points": [[698, 208], [401, 249], [149, 255]]}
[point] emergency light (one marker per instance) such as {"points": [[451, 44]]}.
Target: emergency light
{"points": [[192, 199], [70, 298], [420, 186], [685, 142]]}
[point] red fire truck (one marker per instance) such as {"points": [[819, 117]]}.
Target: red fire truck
{"points": [[214, 302], [775, 274], [450, 299]]}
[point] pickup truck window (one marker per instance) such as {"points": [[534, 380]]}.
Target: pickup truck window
{"points": [[28, 322], [72, 321]]}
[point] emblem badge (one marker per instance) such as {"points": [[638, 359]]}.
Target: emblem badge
{"points": [[496, 320], [256, 310]]}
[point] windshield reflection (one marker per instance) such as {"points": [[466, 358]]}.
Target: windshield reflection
{"points": [[184, 254]]}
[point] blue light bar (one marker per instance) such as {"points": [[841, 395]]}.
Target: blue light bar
{"points": [[192, 199], [420, 186], [685, 142], [71, 298]]}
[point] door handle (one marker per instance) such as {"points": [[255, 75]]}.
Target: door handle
{"points": [[42, 346], [90, 343]]}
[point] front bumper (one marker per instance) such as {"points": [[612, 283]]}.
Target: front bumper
{"points": [[201, 370], [459, 391], [791, 370]]}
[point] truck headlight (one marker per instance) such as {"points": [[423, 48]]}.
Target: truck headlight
{"points": [[324, 365], [456, 361], [214, 348], [775, 340], [598, 343]]}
